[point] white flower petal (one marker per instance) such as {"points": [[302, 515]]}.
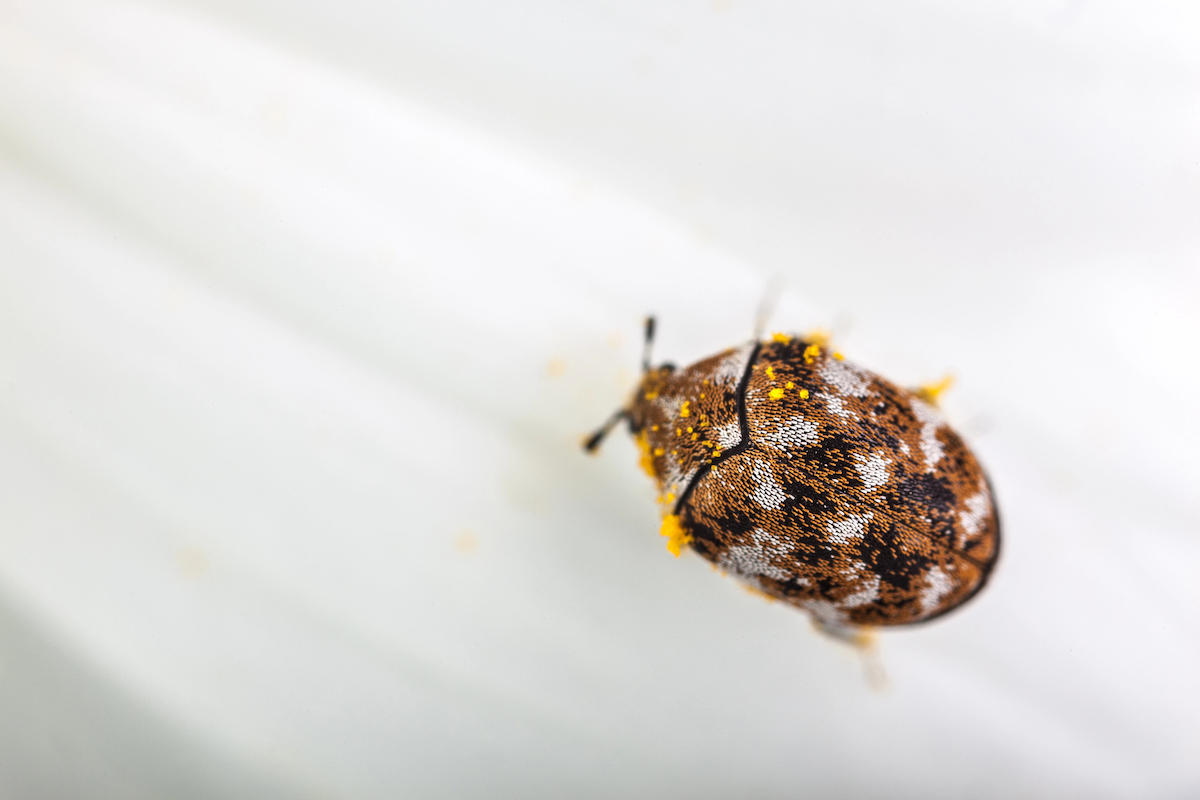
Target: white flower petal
{"points": [[293, 370]]}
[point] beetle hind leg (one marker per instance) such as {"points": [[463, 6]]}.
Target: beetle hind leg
{"points": [[866, 645]]}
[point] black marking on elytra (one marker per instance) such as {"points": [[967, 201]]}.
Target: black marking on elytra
{"points": [[806, 498], [880, 550], [811, 549], [833, 452], [929, 490], [703, 536], [735, 521]]}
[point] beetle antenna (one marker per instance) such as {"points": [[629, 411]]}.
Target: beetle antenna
{"points": [[766, 306], [648, 344], [593, 442]]}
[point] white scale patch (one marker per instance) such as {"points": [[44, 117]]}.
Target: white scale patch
{"points": [[826, 613], [673, 476], [837, 406], [671, 407], [930, 421], [849, 528], [979, 506], [847, 379], [792, 434], [716, 474], [937, 586], [863, 596], [766, 492], [873, 470], [751, 561], [727, 436], [733, 367]]}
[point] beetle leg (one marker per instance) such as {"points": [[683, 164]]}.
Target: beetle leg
{"points": [[929, 392], [865, 643]]}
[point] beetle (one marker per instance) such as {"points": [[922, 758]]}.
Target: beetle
{"points": [[814, 481]]}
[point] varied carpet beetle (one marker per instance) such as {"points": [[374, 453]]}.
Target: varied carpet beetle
{"points": [[815, 482]]}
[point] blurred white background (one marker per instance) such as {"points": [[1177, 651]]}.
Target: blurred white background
{"points": [[304, 307]]}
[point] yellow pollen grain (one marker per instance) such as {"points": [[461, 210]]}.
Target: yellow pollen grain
{"points": [[789, 385], [811, 352], [654, 428], [771, 373], [689, 430], [929, 392], [678, 432], [702, 395], [677, 537], [839, 356], [466, 543], [781, 338], [658, 451], [695, 436], [684, 412], [804, 394], [759, 593], [650, 395], [818, 336], [716, 452], [775, 394], [645, 460]]}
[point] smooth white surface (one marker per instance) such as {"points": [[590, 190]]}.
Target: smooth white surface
{"points": [[304, 307]]}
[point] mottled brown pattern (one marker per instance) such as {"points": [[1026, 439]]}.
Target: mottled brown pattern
{"points": [[850, 498], [681, 445]]}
